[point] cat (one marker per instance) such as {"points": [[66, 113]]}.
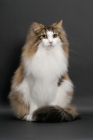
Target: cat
{"points": [[41, 89]]}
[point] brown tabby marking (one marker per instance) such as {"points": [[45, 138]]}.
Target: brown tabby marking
{"points": [[31, 45], [18, 76], [35, 35], [60, 80], [55, 114], [19, 107], [71, 110]]}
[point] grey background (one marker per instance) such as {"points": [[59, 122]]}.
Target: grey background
{"points": [[16, 17]]}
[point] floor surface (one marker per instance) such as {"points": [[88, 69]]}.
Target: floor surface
{"points": [[13, 129]]}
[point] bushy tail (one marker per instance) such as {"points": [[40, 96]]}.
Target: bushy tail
{"points": [[55, 114]]}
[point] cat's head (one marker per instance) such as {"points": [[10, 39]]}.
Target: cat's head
{"points": [[48, 36]]}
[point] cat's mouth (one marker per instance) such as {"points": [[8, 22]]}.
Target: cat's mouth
{"points": [[51, 45]]}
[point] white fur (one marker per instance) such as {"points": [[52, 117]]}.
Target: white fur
{"points": [[24, 88], [63, 98], [39, 86], [56, 41]]}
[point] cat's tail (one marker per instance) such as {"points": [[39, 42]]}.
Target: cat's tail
{"points": [[55, 114]]}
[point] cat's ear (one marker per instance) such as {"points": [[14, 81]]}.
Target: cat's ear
{"points": [[57, 25], [37, 26]]}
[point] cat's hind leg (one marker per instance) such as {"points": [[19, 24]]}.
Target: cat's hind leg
{"points": [[19, 107]]}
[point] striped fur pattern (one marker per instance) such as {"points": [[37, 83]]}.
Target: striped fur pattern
{"points": [[55, 114], [41, 89]]}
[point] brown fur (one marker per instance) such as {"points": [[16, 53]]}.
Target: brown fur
{"points": [[16, 98], [71, 110], [20, 109], [35, 35], [66, 76], [29, 49], [55, 114], [18, 76], [60, 80]]}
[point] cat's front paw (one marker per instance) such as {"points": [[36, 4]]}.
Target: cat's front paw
{"points": [[28, 117]]}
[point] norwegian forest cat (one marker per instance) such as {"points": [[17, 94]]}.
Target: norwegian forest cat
{"points": [[41, 88]]}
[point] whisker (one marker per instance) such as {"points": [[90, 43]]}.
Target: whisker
{"points": [[69, 43], [71, 58], [74, 52], [71, 49]]}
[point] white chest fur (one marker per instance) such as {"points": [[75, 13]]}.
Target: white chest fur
{"points": [[47, 63], [42, 73]]}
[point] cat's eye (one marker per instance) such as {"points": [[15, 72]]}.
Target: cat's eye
{"points": [[54, 35], [44, 36]]}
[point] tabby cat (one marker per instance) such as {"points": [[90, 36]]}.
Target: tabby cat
{"points": [[41, 88]]}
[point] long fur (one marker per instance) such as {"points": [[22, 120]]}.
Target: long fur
{"points": [[41, 89], [55, 114]]}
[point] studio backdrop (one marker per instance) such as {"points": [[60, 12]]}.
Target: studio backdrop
{"points": [[16, 17]]}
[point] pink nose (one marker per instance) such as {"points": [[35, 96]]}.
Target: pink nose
{"points": [[50, 42]]}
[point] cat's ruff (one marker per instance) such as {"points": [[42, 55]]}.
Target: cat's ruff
{"points": [[35, 83], [40, 83]]}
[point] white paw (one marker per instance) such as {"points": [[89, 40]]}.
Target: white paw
{"points": [[28, 117]]}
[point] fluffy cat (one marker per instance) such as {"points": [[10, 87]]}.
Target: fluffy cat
{"points": [[41, 88]]}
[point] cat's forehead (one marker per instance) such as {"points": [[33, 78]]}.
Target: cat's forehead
{"points": [[49, 30], [49, 33]]}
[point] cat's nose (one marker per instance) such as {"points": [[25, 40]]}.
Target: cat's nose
{"points": [[50, 42]]}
